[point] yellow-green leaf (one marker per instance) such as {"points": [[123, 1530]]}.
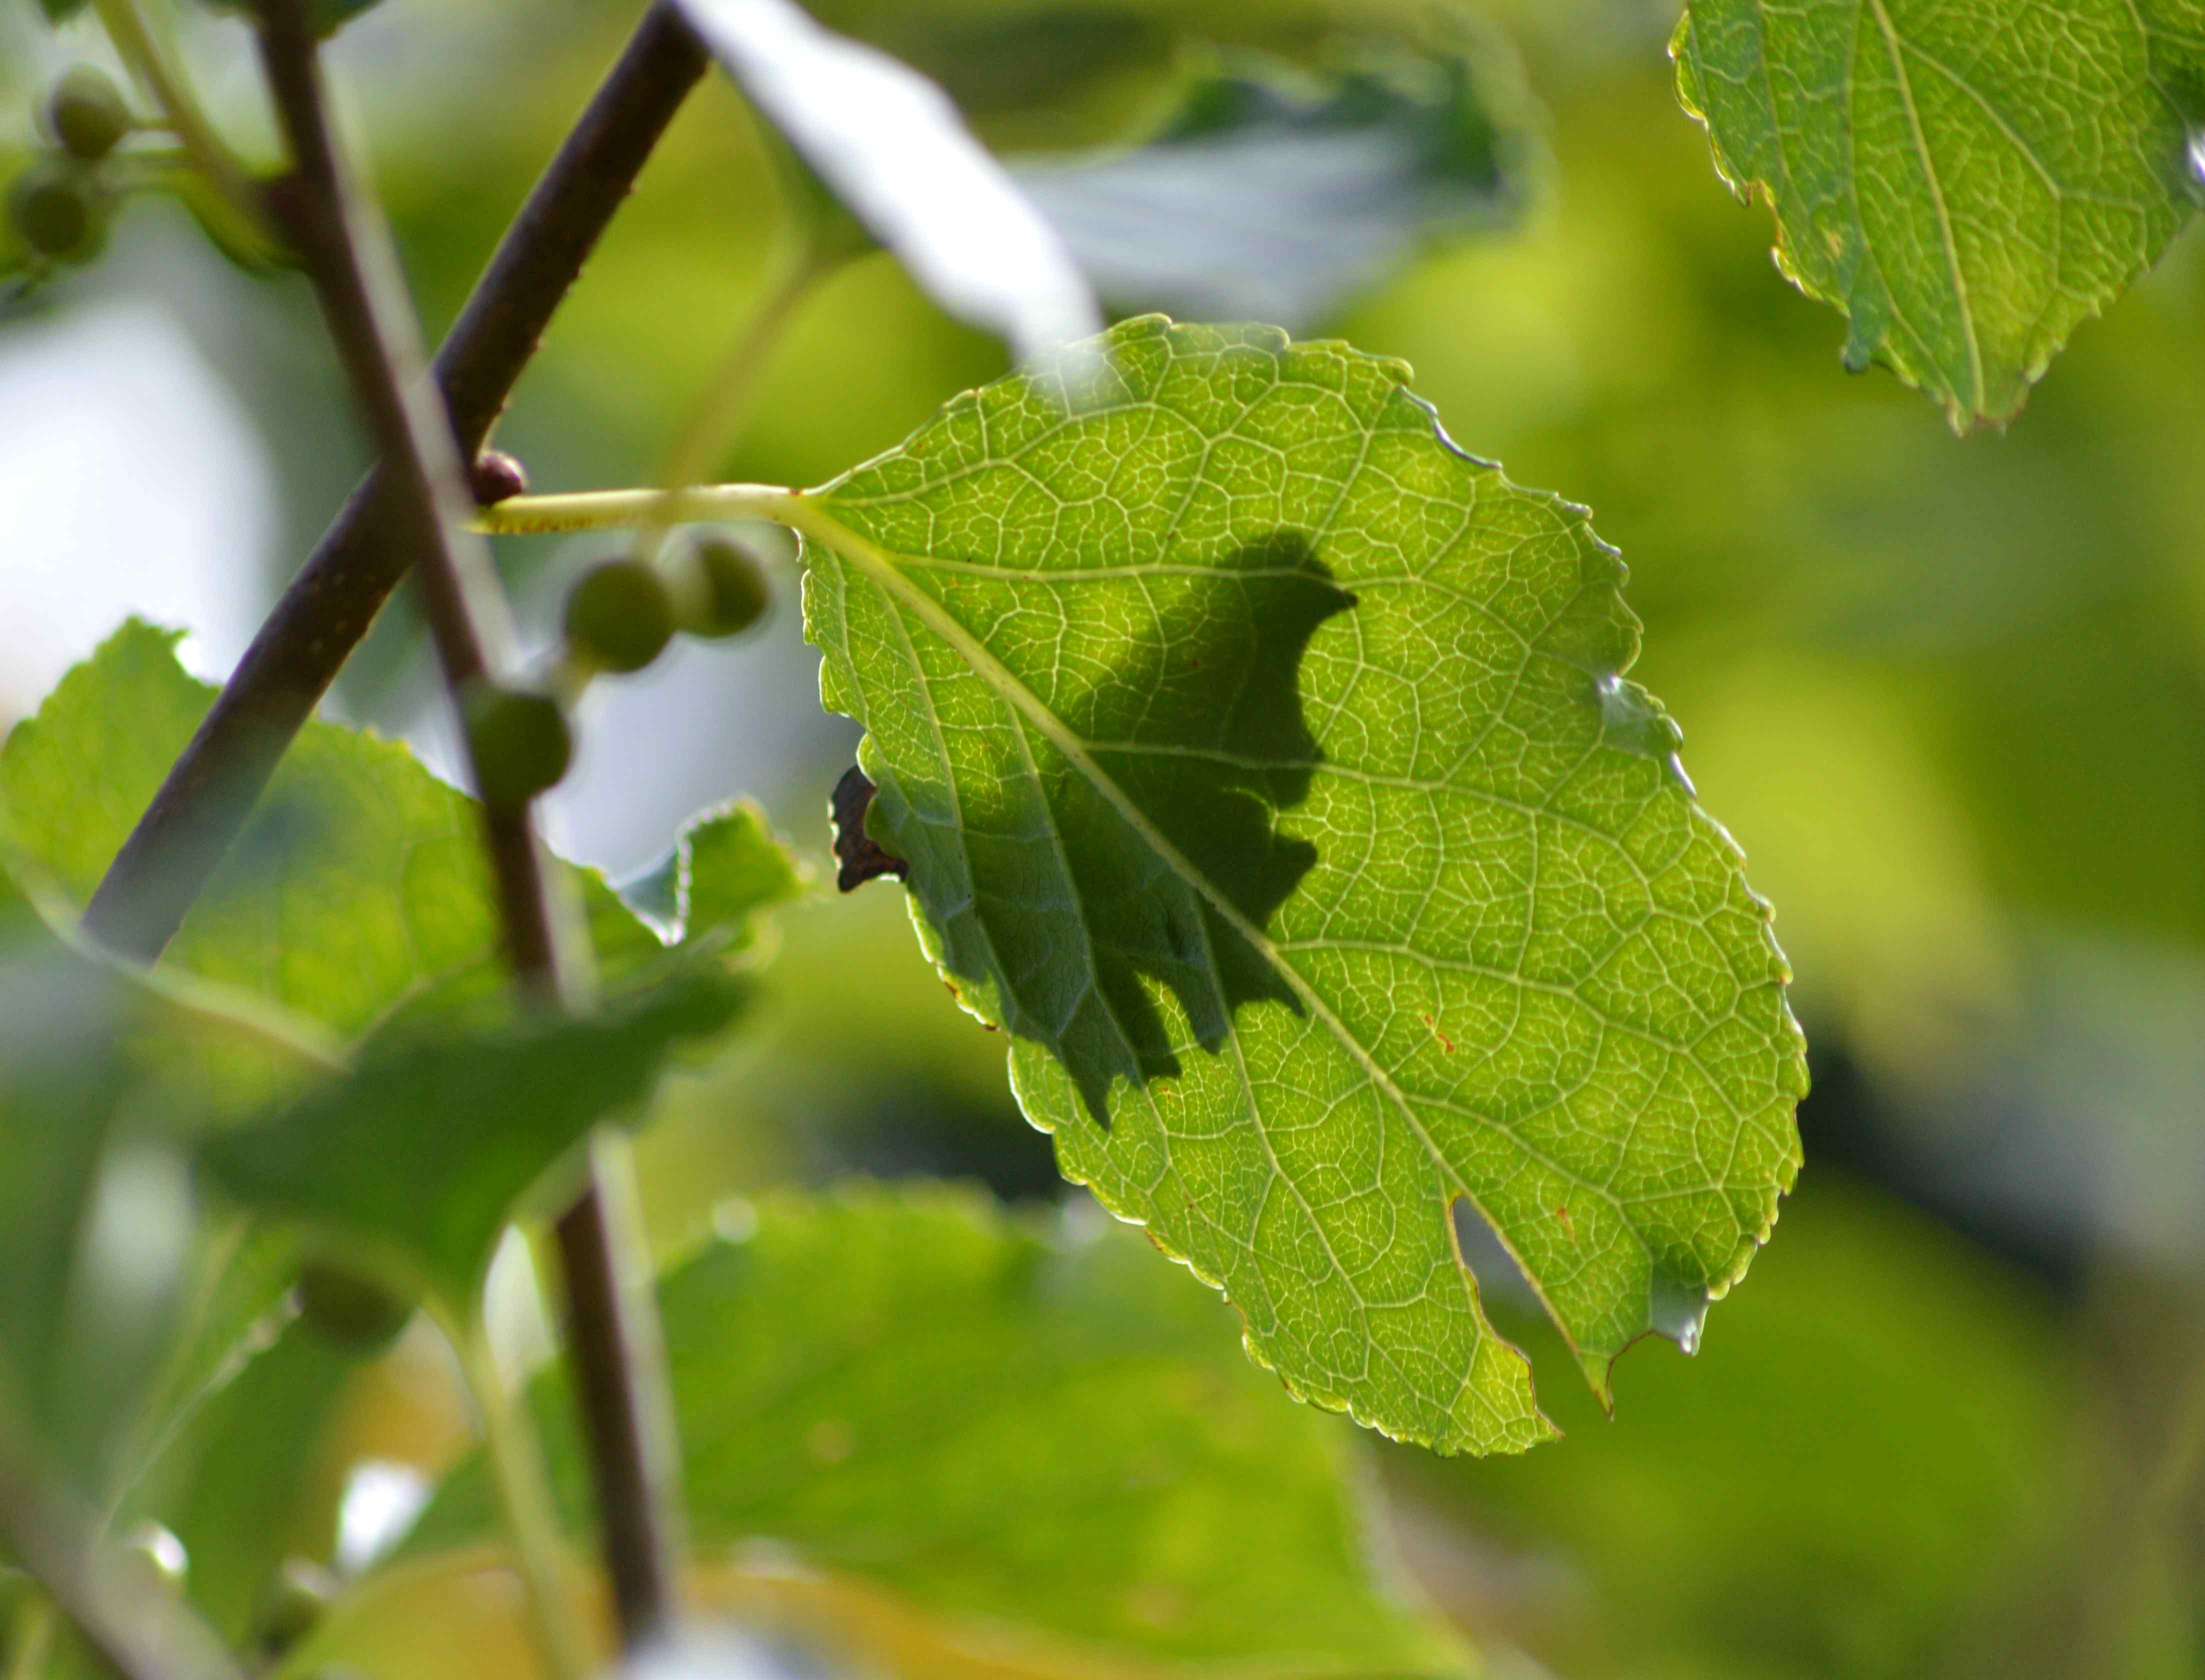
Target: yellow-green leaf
{"points": [[1265, 766], [1968, 183]]}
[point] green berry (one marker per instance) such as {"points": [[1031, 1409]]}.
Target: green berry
{"points": [[620, 615], [291, 1605], [349, 1307], [53, 208], [519, 741], [724, 589], [86, 114]]}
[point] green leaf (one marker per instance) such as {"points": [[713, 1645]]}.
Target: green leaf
{"points": [[62, 1083], [359, 885], [1277, 196], [726, 869], [886, 144], [1020, 1437], [97, 1225], [1967, 184], [1264, 765], [324, 17], [232, 1483], [1876, 1349], [419, 1156], [116, 1317]]}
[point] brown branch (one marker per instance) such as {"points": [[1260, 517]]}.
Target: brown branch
{"points": [[355, 273], [212, 788]]}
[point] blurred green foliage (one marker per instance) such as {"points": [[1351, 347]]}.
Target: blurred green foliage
{"points": [[1011, 1423], [1949, 696]]}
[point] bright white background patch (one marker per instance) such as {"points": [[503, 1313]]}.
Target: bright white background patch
{"points": [[133, 482]]}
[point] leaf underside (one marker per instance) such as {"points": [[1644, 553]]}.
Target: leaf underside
{"points": [[1264, 767], [1967, 183]]}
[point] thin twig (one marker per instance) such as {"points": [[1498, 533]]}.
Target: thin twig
{"points": [[355, 273], [212, 788]]}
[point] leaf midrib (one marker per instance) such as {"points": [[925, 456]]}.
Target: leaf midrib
{"points": [[1895, 46]]}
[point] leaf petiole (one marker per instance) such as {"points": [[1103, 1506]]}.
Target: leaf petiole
{"points": [[524, 1498], [622, 510], [177, 108]]}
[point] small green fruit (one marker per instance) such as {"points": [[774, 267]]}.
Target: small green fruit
{"points": [[85, 112], [348, 1306], [519, 741], [620, 615], [724, 588], [291, 1605], [54, 209]]}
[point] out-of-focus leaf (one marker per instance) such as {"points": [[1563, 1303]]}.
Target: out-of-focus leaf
{"points": [[242, 1278], [418, 1156], [1265, 766], [358, 888], [726, 869], [330, 15], [1967, 184], [1018, 1438], [60, 11], [1859, 1460], [1273, 196], [889, 145], [324, 17], [230, 1484], [104, 1069], [62, 1081]]}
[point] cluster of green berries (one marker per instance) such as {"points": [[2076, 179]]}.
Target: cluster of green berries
{"points": [[620, 617], [59, 204]]}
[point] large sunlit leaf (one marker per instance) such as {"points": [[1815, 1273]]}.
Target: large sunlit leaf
{"points": [[1274, 195], [1044, 1448], [1967, 183], [890, 146], [1265, 766], [359, 885]]}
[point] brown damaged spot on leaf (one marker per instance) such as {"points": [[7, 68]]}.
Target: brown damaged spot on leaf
{"points": [[861, 857], [950, 985]]}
